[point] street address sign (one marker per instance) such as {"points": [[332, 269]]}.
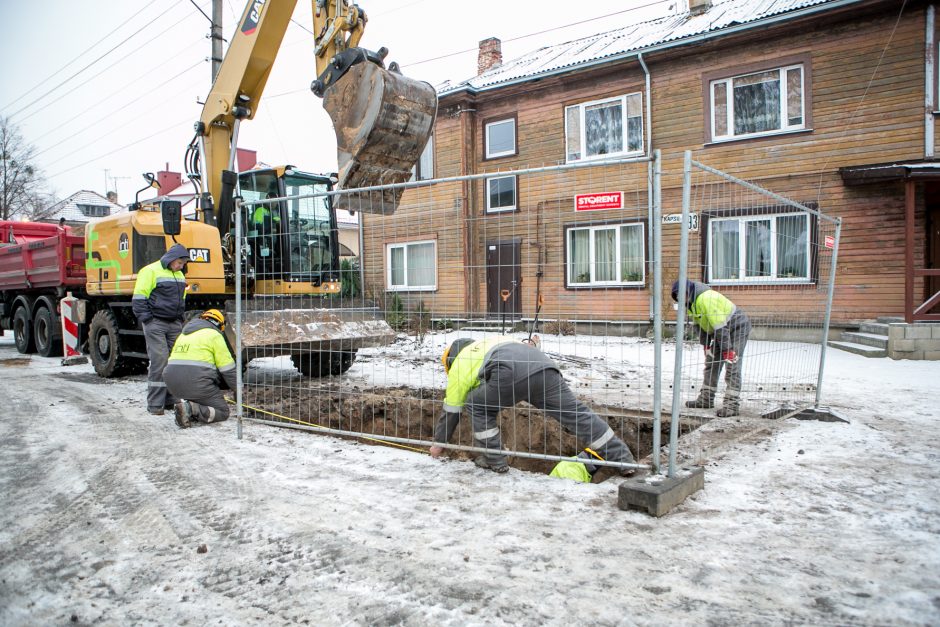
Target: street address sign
{"points": [[676, 218]]}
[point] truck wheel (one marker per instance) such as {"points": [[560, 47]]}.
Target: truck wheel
{"points": [[104, 345], [323, 364], [23, 331], [46, 333]]}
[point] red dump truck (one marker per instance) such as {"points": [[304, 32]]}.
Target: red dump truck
{"points": [[39, 263]]}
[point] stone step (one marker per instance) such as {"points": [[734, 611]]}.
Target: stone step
{"points": [[889, 319], [867, 339], [877, 328], [859, 349]]}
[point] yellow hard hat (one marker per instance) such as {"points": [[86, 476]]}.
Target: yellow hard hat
{"points": [[451, 352], [214, 316]]}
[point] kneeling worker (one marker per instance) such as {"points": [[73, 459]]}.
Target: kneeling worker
{"points": [[200, 364], [494, 373]]}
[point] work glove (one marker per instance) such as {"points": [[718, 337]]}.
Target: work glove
{"points": [[730, 356], [709, 355]]}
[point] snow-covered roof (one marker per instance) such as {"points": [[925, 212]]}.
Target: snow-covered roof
{"points": [[628, 40], [82, 206]]}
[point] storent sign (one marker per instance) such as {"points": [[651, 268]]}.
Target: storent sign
{"points": [[598, 200]]}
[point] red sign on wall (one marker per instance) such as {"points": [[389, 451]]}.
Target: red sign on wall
{"points": [[598, 200], [829, 241]]}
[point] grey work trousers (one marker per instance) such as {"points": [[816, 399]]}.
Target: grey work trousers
{"points": [[547, 391], [200, 386], [160, 336], [713, 368]]}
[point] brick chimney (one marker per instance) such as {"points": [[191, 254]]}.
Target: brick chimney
{"points": [[491, 54], [697, 7], [168, 180]]}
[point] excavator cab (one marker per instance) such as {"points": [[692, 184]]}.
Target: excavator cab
{"points": [[292, 242]]}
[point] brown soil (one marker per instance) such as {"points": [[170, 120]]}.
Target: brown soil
{"points": [[412, 413]]}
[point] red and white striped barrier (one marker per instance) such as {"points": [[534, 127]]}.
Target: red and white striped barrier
{"points": [[71, 354]]}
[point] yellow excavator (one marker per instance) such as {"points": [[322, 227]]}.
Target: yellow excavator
{"points": [[290, 272]]}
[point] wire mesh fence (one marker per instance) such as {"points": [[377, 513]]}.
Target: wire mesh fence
{"points": [[556, 256], [774, 258], [576, 260]]}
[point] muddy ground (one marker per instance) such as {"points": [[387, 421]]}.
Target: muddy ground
{"points": [[410, 413]]}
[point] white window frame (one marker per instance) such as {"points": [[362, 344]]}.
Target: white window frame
{"points": [[773, 279], [581, 107], [388, 267], [593, 258], [515, 194], [419, 173], [785, 126], [486, 133]]}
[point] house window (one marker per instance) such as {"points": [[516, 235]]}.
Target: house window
{"points": [[500, 138], [95, 211], [604, 128], [762, 103], [759, 249], [424, 169], [609, 254], [500, 194], [412, 266]]}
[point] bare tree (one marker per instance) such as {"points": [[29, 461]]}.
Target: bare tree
{"points": [[21, 182]]}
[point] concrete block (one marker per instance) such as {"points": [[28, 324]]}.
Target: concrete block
{"points": [[935, 331], [932, 355], [903, 346], [657, 494], [917, 332], [916, 355], [928, 345], [896, 331]]}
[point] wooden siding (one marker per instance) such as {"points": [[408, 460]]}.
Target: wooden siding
{"points": [[867, 107]]}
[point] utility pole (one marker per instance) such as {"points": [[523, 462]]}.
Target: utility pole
{"points": [[106, 177], [216, 36]]}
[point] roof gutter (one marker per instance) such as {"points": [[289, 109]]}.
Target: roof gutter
{"points": [[730, 30]]}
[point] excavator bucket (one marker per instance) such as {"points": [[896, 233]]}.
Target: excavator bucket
{"points": [[382, 121]]}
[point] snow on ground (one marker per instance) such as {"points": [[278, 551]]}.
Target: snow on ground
{"points": [[104, 507]]}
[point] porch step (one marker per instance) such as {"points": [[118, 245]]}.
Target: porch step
{"points": [[859, 349], [890, 319], [867, 339], [878, 328]]}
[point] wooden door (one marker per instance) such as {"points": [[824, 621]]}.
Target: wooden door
{"points": [[504, 272]]}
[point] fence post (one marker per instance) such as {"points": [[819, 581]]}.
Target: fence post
{"points": [[657, 228], [238, 317], [829, 297], [680, 313]]}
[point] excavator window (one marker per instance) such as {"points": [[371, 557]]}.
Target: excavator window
{"points": [[290, 240]]}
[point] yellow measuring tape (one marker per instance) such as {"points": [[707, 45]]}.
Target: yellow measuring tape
{"points": [[313, 424]]}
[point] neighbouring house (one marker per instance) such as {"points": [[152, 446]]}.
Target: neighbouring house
{"points": [[822, 101], [81, 207]]}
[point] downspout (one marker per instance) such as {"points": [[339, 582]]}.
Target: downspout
{"points": [[649, 172], [930, 59]]}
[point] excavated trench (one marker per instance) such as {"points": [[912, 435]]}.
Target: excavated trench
{"points": [[411, 413]]}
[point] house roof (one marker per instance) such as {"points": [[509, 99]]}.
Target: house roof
{"points": [[70, 209], [669, 31], [884, 172]]}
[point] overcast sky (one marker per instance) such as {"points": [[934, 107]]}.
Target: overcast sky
{"points": [[107, 89]]}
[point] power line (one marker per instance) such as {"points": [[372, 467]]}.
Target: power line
{"points": [[74, 75], [108, 115], [541, 32], [125, 146], [74, 59]]}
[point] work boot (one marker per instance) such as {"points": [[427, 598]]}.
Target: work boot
{"points": [[705, 400], [183, 412], [156, 411], [728, 408], [499, 467]]}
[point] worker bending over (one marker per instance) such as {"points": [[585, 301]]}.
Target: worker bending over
{"points": [[723, 332], [200, 365], [491, 374]]}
